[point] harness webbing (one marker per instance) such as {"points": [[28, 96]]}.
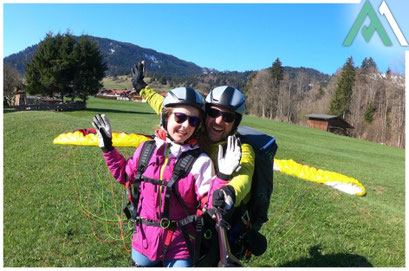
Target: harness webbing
{"points": [[182, 167], [154, 181], [145, 156]]}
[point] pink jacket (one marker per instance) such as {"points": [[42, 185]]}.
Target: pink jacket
{"points": [[150, 240], [216, 184]]}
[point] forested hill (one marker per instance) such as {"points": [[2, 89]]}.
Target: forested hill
{"points": [[304, 78], [169, 70], [121, 56], [17, 60]]}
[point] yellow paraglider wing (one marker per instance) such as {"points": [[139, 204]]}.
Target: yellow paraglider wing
{"points": [[89, 137], [336, 180]]}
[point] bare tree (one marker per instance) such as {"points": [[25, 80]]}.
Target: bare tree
{"points": [[12, 80], [259, 93]]}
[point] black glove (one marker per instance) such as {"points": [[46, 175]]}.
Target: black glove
{"points": [[138, 73], [102, 125], [257, 243], [223, 200]]}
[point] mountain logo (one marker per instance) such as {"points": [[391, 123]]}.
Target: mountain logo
{"points": [[375, 25]]}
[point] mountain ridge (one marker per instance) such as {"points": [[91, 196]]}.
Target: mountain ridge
{"points": [[121, 56]]}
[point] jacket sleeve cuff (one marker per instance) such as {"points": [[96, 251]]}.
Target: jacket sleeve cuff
{"points": [[107, 149], [223, 176]]}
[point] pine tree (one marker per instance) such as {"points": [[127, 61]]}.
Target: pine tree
{"points": [[64, 68], [365, 64], [342, 98], [277, 74], [37, 72], [89, 68], [372, 63], [368, 63], [64, 65], [388, 73], [51, 69]]}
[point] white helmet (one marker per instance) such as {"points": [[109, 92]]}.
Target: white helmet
{"points": [[227, 97], [184, 96]]}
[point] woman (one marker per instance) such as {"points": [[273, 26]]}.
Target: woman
{"points": [[162, 236]]}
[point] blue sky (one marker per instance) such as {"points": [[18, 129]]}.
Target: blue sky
{"points": [[234, 37]]}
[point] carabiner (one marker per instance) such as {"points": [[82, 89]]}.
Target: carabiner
{"points": [[164, 223]]}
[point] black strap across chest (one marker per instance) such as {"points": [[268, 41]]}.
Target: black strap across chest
{"points": [[181, 169]]}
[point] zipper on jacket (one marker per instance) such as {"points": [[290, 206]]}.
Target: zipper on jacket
{"points": [[161, 174]]}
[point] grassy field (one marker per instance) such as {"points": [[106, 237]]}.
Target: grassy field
{"points": [[61, 209]]}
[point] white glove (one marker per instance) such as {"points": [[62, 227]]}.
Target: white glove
{"points": [[103, 127], [229, 161]]}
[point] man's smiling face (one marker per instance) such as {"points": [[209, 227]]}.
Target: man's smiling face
{"points": [[217, 128]]}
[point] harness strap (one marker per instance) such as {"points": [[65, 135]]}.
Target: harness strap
{"points": [[171, 227], [169, 235], [154, 181], [166, 224], [160, 224], [198, 221], [182, 168], [187, 239], [199, 227], [129, 192], [145, 156]]}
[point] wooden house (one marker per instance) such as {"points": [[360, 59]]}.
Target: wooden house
{"points": [[329, 123]]}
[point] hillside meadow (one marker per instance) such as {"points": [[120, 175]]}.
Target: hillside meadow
{"points": [[61, 207], [125, 82]]}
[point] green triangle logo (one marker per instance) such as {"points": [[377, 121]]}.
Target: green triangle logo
{"points": [[367, 31]]}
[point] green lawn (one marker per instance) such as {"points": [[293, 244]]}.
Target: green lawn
{"points": [[50, 191]]}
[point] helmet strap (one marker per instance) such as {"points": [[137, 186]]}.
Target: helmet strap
{"points": [[236, 123]]}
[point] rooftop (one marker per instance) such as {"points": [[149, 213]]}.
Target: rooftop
{"points": [[329, 117], [321, 116]]}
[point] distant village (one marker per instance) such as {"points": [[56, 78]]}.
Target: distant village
{"points": [[121, 94], [21, 99]]}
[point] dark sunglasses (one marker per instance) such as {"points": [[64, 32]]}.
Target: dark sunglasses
{"points": [[227, 116], [181, 118]]}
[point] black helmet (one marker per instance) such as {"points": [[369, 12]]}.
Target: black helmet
{"points": [[227, 97], [184, 96]]}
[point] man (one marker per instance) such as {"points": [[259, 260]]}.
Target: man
{"points": [[225, 106]]}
